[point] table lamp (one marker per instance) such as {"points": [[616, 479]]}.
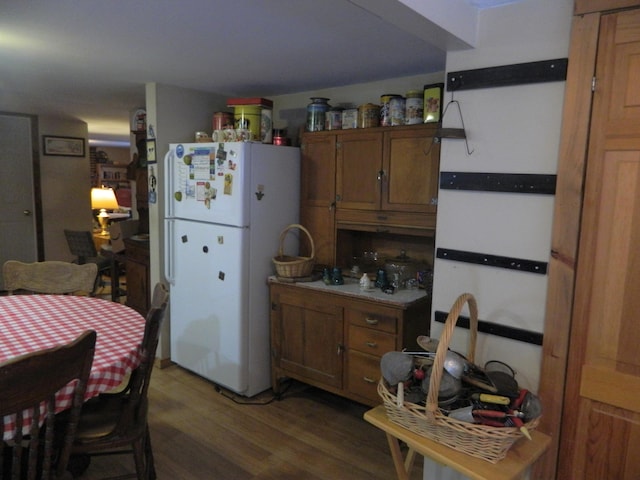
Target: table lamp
{"points": [[103, 199]]}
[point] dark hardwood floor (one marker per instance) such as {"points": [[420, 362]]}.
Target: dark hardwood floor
{"points": [[200, 432]]}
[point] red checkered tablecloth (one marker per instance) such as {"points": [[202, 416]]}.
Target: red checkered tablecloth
{"points": [[33, 322]]}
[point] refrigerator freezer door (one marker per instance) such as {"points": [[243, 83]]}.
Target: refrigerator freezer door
{"points": [[205, 182], [208, 310]]}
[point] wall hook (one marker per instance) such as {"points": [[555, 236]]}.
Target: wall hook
{"points": [[459, 133]]}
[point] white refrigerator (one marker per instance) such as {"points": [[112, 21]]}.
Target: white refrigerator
{"points": [[226, 205]]}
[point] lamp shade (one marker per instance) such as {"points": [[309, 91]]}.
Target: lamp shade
{"points": [[103, 198]]}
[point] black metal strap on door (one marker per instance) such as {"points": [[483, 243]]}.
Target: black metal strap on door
{"points": [[510, 263], [513, 333], [499, 182], [507, 75]]}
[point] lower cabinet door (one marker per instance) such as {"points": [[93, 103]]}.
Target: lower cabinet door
{"points": [[311, 340]]}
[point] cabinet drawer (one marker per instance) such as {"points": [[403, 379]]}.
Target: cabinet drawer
{"points": [[363, 375], [384, 319], [368, 340]]}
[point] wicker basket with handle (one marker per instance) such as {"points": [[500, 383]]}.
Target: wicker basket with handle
{"points": [[292, 267], [481, 441]]}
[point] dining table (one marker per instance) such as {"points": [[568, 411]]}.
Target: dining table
{"points": [[29, 323]]}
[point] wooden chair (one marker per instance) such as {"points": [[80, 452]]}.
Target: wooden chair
{"points": [[29, 383], [116, 423], [81, 245], [49, 277]]}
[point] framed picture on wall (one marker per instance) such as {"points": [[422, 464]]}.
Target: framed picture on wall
{"points": [[151, 151], [63, 146], [433, 102]]}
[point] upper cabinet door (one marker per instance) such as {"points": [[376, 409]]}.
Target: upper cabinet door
{"points": [[359, 171], [318, 170], [411, 166]]}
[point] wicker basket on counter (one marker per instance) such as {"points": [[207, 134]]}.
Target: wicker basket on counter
{"points": [[290, 266], [482, 441]]}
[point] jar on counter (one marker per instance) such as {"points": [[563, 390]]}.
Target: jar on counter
{"points": [[414, 105], [316, 111], [368, 115]]}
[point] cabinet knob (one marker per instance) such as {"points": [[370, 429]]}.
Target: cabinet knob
{"points": [[340, 349], [369, 379], [371, 321], [371, 344]]}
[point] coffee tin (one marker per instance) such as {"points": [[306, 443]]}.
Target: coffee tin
{"points": [[396, 110], [333, 119], [385, 109], [266, 125], [368, 115], [414, 105], [222, 120]]}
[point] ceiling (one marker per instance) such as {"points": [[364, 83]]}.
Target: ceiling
{"points": [[90, 59]]}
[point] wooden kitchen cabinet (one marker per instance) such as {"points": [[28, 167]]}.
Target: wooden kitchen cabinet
{"points": [[381, 180], [388, 170], [333, 337], [138, 276]]}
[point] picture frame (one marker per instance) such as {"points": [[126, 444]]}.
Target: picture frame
{"points": [[432, 111], [63, 146], [151, 151]]}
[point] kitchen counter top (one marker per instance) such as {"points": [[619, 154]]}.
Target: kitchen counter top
{"points": [[351, 288]]}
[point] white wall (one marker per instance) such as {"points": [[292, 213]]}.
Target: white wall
{"points": [[510, 130], [66, 187], [174, 115]]}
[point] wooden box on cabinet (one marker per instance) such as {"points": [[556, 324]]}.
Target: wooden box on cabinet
{"points": [[334, 339], [138, 276]]}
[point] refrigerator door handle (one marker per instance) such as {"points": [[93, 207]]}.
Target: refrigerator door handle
{"points": [[169, 267], [169, 182]]}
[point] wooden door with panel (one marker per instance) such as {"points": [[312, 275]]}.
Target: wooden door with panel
{"points": [[601, 416]]}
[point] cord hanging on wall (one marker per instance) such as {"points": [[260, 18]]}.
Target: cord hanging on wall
{"points": [[453, 133]]}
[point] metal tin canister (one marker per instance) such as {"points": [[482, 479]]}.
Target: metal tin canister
{"points": [[414, 106], [349, 118], [316, 111], [222, 120], [396, 110], [333, 119], [385, 109], [368, 115], [247, 117], [266, 125]]}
